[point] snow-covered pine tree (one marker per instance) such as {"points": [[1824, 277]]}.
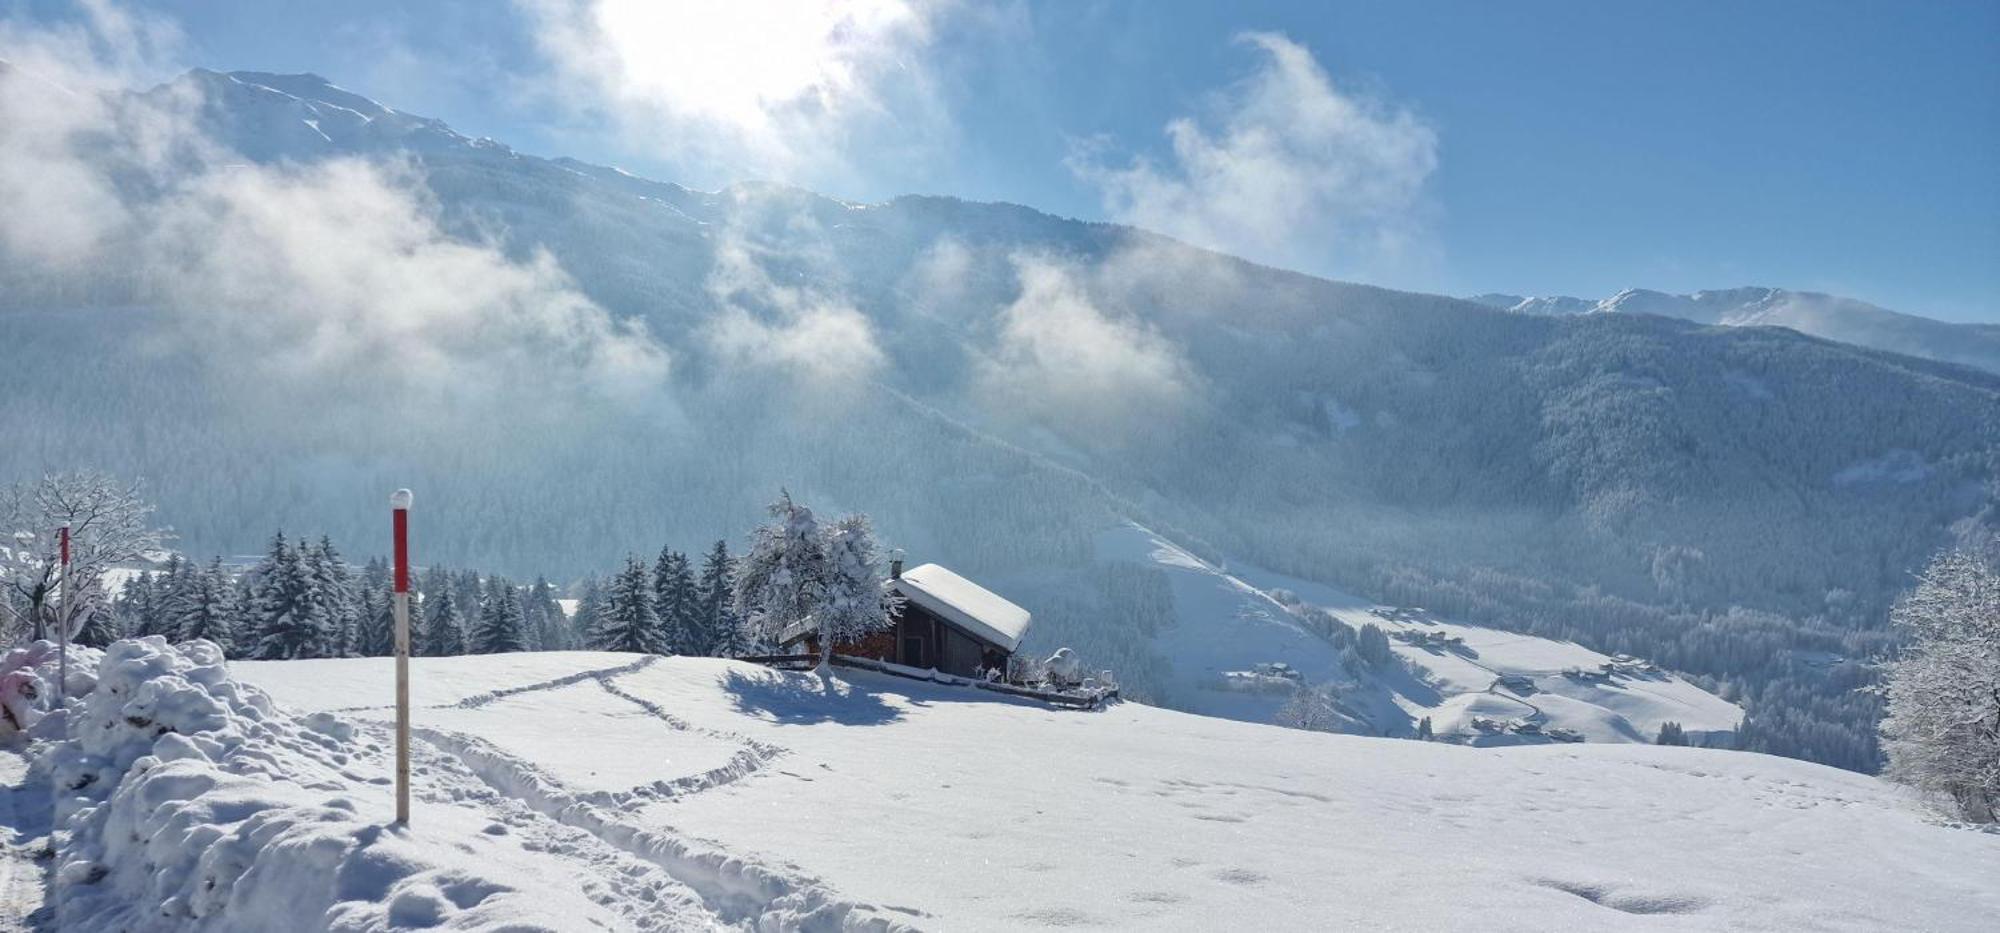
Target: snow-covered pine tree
{"points": [[172, 592], [500, 620], [1942, 731], [629, 621], [783, 579], [333, 588], [210, 607], [1373, 645], [375, 633], [674, 601], [544, 618], [855, 601], [444, 630], [138, 605], [288, 614], [471, 596], [589, 619], [99, 625], [720, 634], [376, 636]]}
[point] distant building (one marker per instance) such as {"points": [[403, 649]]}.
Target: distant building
{"points": [[947, 623]]}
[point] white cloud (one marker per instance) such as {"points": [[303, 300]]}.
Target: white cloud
{"points": [[1284, 168], [1064, 360], [813, 337], [342, 264], [338, 269], [770, 87]]}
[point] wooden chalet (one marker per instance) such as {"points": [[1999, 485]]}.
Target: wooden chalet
{"points": [[947, 623]]}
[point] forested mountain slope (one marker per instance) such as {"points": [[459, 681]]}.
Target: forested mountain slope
{"points": [[995, 385]]}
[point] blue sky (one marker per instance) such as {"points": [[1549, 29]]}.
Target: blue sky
{"points": [[1536, 148]]}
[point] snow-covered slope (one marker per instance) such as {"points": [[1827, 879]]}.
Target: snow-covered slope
{"points": [[1229, 623], [937, 808], [1821, 315]]}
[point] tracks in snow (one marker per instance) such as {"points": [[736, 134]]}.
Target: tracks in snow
{"points": [[733, 889]]}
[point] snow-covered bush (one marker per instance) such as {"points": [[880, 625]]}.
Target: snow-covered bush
{"points": [[1063, 669]]}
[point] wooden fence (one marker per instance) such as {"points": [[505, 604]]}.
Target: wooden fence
{"points": [[806, 662]]}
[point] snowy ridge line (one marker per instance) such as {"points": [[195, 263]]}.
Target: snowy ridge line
{"points": [[736, 889], [478, 700]]}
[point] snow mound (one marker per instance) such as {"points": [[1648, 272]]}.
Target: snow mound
{"points": [[28, 682], [185, 799]]}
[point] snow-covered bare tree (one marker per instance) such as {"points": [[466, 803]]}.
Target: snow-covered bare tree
{"points": [[854, 601], [783, 579], [109, 522], [1942, 731]]}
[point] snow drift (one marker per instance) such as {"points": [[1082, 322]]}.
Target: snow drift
{"points": [[186, 799]]}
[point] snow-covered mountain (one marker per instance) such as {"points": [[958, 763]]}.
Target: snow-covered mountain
{"points": [[1829, 316], [998, 387]]}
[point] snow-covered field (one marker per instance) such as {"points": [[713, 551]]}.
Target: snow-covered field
{"points": [[1228, 620], [681, 792]]}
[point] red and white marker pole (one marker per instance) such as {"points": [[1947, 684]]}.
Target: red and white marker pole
{"points": [[399, 505], [62, 625]]}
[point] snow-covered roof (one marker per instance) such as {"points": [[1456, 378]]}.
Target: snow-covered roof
{"points": [[965, 604]]}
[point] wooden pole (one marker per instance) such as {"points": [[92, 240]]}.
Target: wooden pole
{"points": [[399, 504]]}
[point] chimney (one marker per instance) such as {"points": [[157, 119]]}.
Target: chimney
{"points": [[896, 564]]}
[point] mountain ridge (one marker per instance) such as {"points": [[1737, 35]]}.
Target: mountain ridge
{"points": [[1833, 317]]}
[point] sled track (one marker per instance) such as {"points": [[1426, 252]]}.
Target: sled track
{"points": [[736, 889]]}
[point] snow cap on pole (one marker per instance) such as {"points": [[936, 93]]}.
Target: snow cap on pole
{"points": [[400, 499]]}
